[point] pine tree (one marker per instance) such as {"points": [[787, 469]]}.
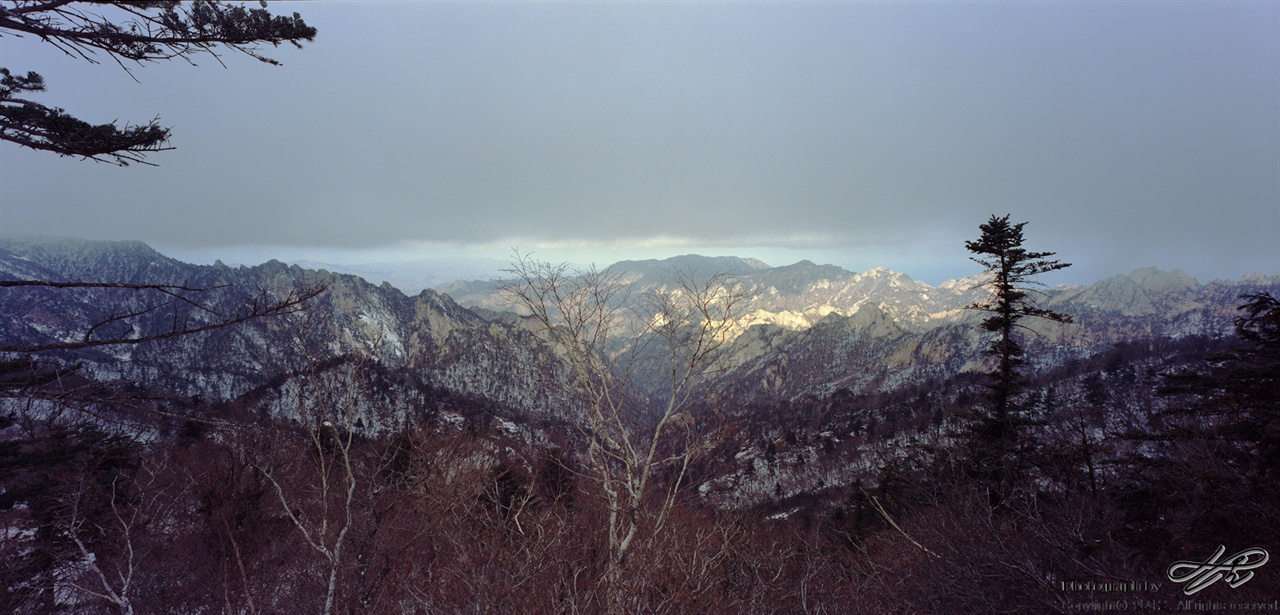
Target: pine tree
{"points": [[141, 32], [997, 450]]}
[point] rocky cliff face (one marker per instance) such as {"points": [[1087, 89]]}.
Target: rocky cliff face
{"points": [[814, 329], [807, 328], [427, 337], [884, 353]]}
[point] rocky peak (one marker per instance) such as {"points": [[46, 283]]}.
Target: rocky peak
{"points": [[1153, 280], [870, 320], [700, 266], [71, 259]]}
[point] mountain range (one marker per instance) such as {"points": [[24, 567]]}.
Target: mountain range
{"points": [[836, 392], [805, 329]]}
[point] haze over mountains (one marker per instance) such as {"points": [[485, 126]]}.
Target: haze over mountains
{"points": [[414, 276], [466, 276], [805, 328]]}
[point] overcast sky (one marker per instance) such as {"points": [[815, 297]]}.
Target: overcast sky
{"points": [[855, 133]]}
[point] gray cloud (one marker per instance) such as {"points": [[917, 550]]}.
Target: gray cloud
{"points": [[1128, 134]]}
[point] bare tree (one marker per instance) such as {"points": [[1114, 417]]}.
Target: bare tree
{"points": [[316, 483], [114, 586], [630, 437], [114, 514]]}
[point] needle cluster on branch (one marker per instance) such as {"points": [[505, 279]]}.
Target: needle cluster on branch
{"points": [[143, 31]]}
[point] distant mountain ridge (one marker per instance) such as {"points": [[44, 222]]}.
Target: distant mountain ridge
{"points": [[799, 295], [412, 277], [812, 329], [806, 328], [427, 338]]}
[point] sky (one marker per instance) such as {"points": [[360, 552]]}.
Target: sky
{"points": [[860, 134]]}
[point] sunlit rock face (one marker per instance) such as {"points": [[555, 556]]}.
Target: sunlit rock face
{"points": [[803, 328]]}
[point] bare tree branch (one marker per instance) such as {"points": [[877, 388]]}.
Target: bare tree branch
{"points": [[581, 314], [139, 31], [258, 307]]}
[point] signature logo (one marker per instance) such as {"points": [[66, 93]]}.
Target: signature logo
{"points": [[1237, 569]]}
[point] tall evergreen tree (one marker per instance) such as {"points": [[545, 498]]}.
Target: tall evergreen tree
{"points": [[996, 447]]}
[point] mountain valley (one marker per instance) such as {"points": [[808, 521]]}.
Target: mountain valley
{"points": [[827, 388]]}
